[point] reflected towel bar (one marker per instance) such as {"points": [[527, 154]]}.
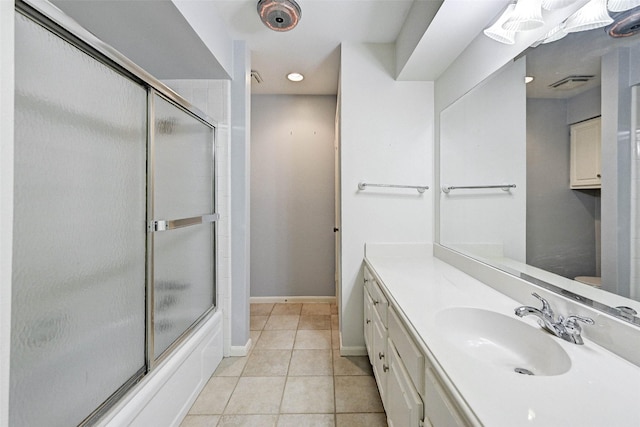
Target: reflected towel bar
{"points": [[421, 188], [164, 225], [504, 187]]}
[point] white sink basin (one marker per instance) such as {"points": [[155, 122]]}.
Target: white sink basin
{"points": [[504, 342]]}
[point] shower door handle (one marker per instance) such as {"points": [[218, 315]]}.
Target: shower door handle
{"points": [[165, 225]]}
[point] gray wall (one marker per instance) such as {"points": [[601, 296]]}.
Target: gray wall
{"points": [[616, 171], [292, 200], [561, 223]]}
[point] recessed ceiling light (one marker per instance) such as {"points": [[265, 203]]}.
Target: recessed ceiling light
{"points": [[295, 77], [528, 79]]}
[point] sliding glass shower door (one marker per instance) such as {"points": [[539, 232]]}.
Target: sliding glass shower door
{"points": [[182, 221], [78, 301]]}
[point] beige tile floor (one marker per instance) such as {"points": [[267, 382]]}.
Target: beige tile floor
{"points": [[293, 376]]}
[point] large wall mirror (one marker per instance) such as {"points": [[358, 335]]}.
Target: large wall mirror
{"points": [[506, 162]]}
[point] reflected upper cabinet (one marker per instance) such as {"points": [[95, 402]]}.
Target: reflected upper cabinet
{"points": [[585, 154]]}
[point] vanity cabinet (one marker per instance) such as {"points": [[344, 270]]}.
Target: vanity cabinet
{"points": [[585, 168], [411, 391], [388, 345]]}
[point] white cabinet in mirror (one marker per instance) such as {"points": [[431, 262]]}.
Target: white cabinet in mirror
{"points": [[578, 240]]}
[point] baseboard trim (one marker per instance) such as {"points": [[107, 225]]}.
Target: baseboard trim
{"points": [[240, 350], [321, 299], [353, 351]]}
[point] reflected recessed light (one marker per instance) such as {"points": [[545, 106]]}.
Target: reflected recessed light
{"points": [[528, 79], [295, 77]]}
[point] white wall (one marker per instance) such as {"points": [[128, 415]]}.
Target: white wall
{"points": [[483, 142], [292, 200], [239, 170], [386, 137]]}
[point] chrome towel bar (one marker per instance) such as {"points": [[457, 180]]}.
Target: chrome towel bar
{"points": [[165, 225], [421, 188], [503, 187]]}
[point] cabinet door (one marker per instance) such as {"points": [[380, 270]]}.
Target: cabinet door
{"points": [[379, 355], [404, 406], [585, 154], [368, 324]]}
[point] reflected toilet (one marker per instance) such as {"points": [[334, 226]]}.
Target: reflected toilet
{"points": [[594, 281]]}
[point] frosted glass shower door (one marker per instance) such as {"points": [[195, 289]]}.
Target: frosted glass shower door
{"points": [[183, 215], [78, 294]]}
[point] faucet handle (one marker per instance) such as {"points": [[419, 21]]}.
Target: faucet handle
{"points": [[546, 307], [573, 330], [570, 321]]}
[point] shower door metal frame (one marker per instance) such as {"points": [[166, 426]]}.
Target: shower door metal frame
{"points": [[53, 19]]}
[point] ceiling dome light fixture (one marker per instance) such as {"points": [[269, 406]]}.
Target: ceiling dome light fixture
{"points": [[279, 15], [295, 77]]}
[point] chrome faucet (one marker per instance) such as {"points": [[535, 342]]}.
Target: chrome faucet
{"points": [[568, 329]]}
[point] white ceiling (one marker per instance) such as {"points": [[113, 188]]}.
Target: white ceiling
{"points": [[313, 47], [428, 35]]}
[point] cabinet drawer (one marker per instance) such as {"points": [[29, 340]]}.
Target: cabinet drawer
{"points": [[439, 407], [379, 355], [380, 302], [412, 357], [404, 405], [368, 323]]}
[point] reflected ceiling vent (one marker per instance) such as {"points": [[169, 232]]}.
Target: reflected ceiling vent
{"points": [[279, 15], [255, 76], [625, 24], [571, 82]]}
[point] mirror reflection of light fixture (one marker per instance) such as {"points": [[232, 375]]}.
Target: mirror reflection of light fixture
{"points": [[592, 15], [526, 16], [556, 4], [626, 24], [622, 5], [555, 34], [498, 33]]}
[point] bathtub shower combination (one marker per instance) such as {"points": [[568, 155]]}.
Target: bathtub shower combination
{"points": [[114, 233]]}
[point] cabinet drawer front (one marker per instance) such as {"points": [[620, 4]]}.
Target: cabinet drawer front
{"points": [[368, 323], [411, 356], [404, 405], [379, 355], [379, 300]]}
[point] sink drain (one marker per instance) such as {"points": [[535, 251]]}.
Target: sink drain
{"points": [[523, 371]]}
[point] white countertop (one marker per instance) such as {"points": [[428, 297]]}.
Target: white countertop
{"points": [[600, 389]]}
